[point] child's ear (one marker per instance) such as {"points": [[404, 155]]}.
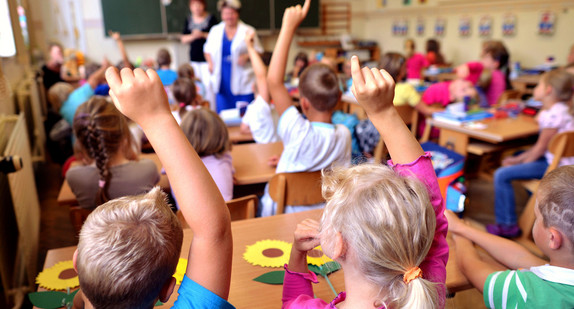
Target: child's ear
{"points": [[305, 104], [166, 290], [74, 258], [556, 238], [340, 247]]}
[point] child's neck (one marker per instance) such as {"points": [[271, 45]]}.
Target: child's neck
{"points": [[164, 67], [360, 293], [548, 102], [318, 116]]}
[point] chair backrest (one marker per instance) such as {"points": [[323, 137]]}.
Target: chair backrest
{"points": [[299, 189], [509, 94], [351, 108], [561, 146], [77, 216], [243, 207], [240, 209]]}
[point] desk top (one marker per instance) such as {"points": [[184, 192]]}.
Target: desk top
{"points": [[497, 130], [246, 293], [250, 162], [235, 135], [67, 198]]}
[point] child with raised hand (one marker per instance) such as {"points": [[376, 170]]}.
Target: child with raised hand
{"points": [[555, 92], [105, 145], [385, 225], [129, 248], [530, 282], [310, 143], [260, 119]]}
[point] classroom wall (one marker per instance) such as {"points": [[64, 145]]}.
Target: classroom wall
{"points": [[81, 26], [374, 22]]}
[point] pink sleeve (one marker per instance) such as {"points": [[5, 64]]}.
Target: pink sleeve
{"points": [[496, 87], [474, 71], [298, 291], [434, 265]]}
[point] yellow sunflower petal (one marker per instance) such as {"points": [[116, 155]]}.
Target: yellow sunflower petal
{"points": [[180, 270], [256, 253], [50, 280], [318, 261]]}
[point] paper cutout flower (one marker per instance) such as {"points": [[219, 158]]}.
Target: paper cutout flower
{"points": [[59, 277], [268, 253], [180, 270], [317, 257]]}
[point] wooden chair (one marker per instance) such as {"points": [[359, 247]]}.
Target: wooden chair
{"points": [[77, 216], [302, 188], [410, 117], [240, 208], [510, 94], [561, 145]]}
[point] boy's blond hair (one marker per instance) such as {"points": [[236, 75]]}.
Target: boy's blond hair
{"points": [[320, 85], [128, 249], [561, 82], [556, 200], [59, 93], [388, 223]]}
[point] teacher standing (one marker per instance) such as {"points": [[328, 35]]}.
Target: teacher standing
{"points": [[225, 50], [194, 33]]}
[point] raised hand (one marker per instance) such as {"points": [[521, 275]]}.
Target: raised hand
{"points": [[137, 94], [114, 35], [250, 38], [373, 88], [294, 15]]}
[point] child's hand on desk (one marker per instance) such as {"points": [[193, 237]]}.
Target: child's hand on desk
{"points": [[137, 94], [294, 15], [273, 161], [373, 88], [455, 224], [306, 236]]}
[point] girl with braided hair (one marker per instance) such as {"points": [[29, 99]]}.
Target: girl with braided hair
{"points": [[111, 167]]}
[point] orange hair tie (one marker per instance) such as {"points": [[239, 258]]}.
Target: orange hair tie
{"points": [[412, 274]]}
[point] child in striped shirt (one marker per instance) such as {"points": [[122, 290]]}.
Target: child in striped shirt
{"points": [[536, 283]]}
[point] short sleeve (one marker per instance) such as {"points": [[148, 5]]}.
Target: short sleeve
{"points": [[553, 118], [292, 125], [194, 296], [412, 96], [503, 289]]}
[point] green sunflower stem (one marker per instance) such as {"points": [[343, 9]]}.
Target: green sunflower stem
{"points": [[330, 285]]}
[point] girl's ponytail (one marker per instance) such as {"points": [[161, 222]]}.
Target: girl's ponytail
{"points": [[420, 293]]}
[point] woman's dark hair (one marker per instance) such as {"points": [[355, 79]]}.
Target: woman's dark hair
{"points": [[434, 46]]}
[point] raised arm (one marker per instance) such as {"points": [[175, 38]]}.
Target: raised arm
{"points": [[98, 76], [375, 90], [292, 17], [506, 251], [142, 98], [116, 36], [258, 66]]}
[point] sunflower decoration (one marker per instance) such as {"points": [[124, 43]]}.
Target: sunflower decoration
{"points": [[59, 277], [268, 253], [317, 257], [180, 270]]}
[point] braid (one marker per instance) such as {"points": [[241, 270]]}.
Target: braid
{"points": [[102, 161]]}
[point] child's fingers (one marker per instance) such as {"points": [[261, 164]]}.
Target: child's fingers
{"points": [[368, 75], [113, 77], [358, 80], [140, 74], [388, 78], [127, 75], [152, 74], [306, 7]]}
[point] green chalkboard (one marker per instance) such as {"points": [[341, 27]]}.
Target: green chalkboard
{"points": [[152, 18]]}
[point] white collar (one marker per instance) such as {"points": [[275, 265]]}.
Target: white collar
{"points": [[554, 274]]}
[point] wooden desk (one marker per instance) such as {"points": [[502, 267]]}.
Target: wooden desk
{"points": [[67, 198], [235, 135], [526, 83], [251, 162], [440, 77], [246, 293], [496, 131]]}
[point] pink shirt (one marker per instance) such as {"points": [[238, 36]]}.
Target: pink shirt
{"points": [[497, 81], [437, 93], [414, 66], [297, 288]]}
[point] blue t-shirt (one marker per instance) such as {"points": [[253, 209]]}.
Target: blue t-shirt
{"points": [[75, 99], [193, 295], [167, 76]]}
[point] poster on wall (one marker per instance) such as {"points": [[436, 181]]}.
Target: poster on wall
{"points": [[406, 2], [547, 23], [485, 26], [509, 25], [381, 3], [420, 26], [400, 27], [440, 26], [464, 26]]}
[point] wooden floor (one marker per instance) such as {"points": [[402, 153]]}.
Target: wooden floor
{"points": [[56, 230]]}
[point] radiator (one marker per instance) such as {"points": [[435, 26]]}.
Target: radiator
{"points": [[20, 209], [30, 102]]}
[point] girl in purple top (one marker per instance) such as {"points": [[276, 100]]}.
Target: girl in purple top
{"points": [[384, 225]]}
